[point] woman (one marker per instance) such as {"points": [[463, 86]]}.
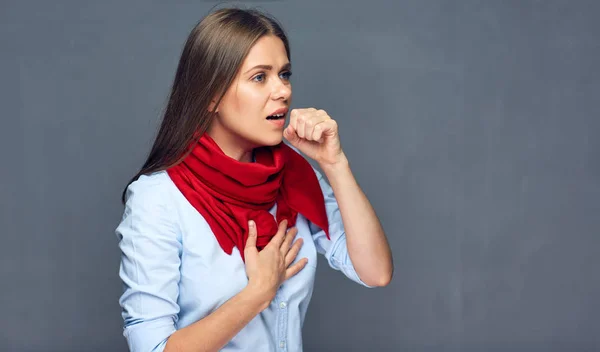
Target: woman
{"points": [[223, 222]]}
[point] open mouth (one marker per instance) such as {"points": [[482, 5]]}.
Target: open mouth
{"points": [[276, 117]]}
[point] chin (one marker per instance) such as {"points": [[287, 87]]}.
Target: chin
{"points": [[264, 139], [273, 142], [270, 141]]}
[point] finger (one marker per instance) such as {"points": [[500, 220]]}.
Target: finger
{"points": [[291, 136], [291, 255], [251, 241], [317, 133], [329, 127], [287, 242], [295, 269], [300, 125], [310, 126], [279, 236], [290, 130], [294, 119]]}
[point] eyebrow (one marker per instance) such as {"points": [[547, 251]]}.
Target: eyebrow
{"points": [[287, 66]]}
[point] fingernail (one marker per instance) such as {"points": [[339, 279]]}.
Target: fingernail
{"points": [[251, 223]]}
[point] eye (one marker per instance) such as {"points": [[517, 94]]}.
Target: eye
{"points": [[261, 76], [286, 75]]}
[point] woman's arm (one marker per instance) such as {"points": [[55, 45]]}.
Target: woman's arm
{"points": [[315, 134], [367, 244], [215, 330]]}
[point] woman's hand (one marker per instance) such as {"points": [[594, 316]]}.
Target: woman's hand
{"points": [[270, 267], [315, 134]]}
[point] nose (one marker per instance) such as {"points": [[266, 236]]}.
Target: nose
{"points": [[282, 90]]}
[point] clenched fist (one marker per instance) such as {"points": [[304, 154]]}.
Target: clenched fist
{"points": [[315, 134]]}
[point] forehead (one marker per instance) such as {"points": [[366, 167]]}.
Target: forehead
{"points": [[267, 50]]}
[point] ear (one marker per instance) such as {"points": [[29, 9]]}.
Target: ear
{"points": [[211, 106]]}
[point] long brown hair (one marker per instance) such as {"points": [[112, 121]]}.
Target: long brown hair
{"points": [[211, 58]]}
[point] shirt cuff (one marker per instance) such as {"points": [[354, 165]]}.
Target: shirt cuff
{"points": [[339, 259], [150, 335]]}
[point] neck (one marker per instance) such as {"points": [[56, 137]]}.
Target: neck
{"points": [[232, 146]]}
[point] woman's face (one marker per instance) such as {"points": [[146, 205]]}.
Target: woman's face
{"points": [[261, 88]]}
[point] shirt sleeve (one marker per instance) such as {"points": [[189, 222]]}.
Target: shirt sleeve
{"points": [[334, 250], [149, 269]]}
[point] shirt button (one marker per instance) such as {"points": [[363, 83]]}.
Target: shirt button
{"points": [[282, 344], [282, 305]]}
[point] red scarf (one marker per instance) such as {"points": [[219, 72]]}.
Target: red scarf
{"points": [[228, 193]]}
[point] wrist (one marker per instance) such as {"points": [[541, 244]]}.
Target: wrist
{"points": [[340, 164], [258, 295]]}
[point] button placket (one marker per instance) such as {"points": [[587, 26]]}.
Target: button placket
{"points": [[282, 318]]}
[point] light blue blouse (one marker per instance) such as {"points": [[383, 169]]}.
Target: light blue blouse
{"points": [[174, 272]]}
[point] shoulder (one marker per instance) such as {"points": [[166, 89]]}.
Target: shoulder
{"points": [[151, 194], [155, 187], [149, 205]]}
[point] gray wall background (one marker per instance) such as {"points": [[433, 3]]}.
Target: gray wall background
{"points": [[471, 125]]}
